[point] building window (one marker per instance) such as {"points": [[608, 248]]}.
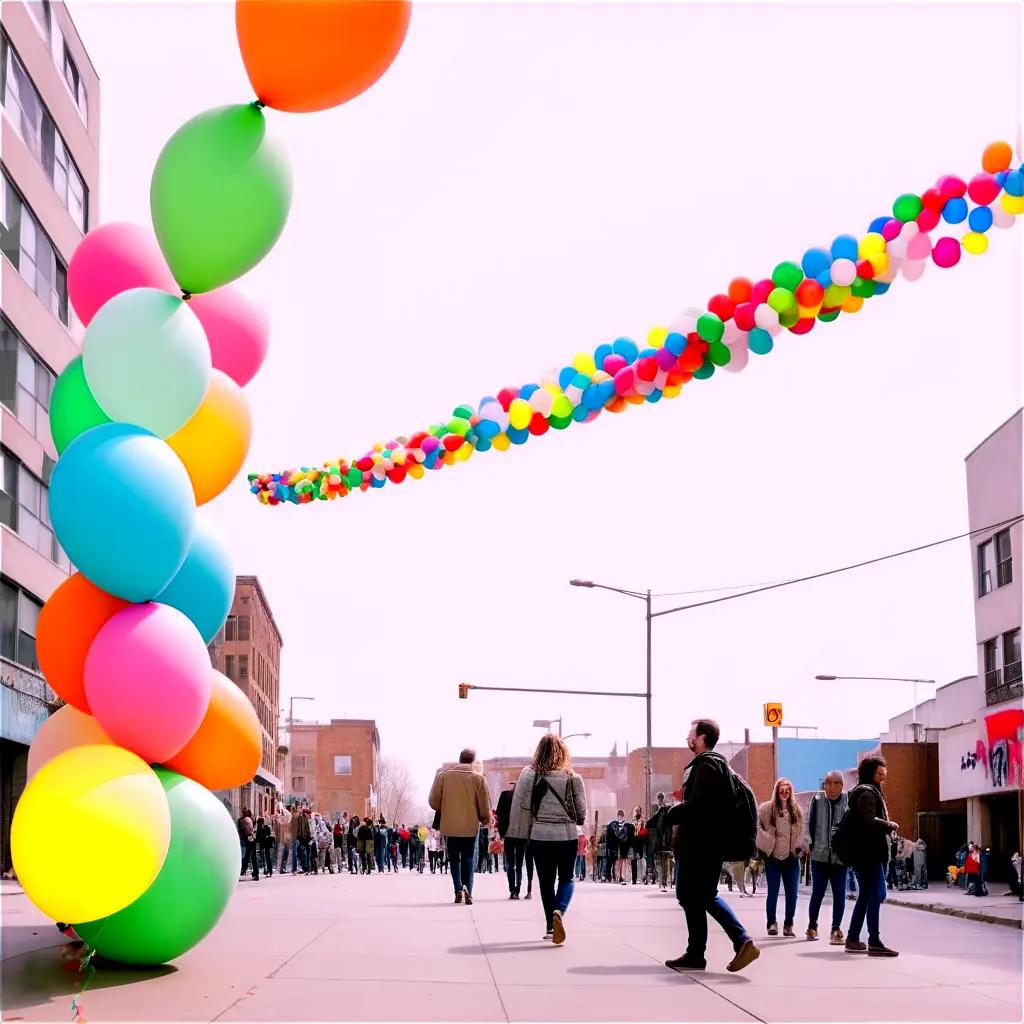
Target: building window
{"points": [[342, 764], [1004, 559], [229, 666], [243, 628], [25, 508], [985, 566], [1011, 656], [991, 661], [229, 628], [26, 384], [19, 614], [74, 82], [38, 130], [299, 783], [243, 666], [32, 253]]}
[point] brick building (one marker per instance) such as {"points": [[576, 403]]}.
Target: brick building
{"points": [[335, 766], [49, 197], [248, 651]]}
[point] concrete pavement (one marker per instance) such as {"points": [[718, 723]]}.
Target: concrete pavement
{"points": [[995, 908], [329, 948]]}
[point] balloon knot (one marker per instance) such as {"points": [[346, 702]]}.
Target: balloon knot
{"points": [[258, 104], [185, 296]]}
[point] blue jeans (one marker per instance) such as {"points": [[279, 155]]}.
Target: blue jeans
{"points": [[788, 873], [823, 875], [555, 858], [871, 879], [581, 866], [697, 893], [462, 856]]}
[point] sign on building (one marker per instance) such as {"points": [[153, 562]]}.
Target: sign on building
{"points": [[773, 715]]}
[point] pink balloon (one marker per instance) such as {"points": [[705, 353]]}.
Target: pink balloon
{"points": [[237, 329], [919, 247], [913, 269], [946, 252], [148, 680], [112, 259]]}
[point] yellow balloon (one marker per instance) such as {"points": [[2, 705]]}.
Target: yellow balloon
{"points": [[871, 245], [214, 443], [656, 337], [1012, 204], [879, 262], [519, 413], [974, 242], [109, 803], [501, 442], [583, 362], [64, 730], [416, 471], [672, 390]]}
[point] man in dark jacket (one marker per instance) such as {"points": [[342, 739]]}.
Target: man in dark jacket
{"points": [[867, 851], [707, 797], [659, 843], [515, 848]]}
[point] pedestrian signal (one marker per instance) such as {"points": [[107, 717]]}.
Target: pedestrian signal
{"points": [[773, 715]]}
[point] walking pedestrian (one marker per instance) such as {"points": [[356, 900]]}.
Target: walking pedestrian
{"points": [[460, 794], [921, 864], [660, 842], [618, 846], [303, 835], [283, 836], [864, 833], [553, 797], [638, 845], [364, 841], [265, 845], [708, 795], [780, 839], [515, 844], [338, 848], [247, 835], [352, 837], [581, 856], [827, 809]]}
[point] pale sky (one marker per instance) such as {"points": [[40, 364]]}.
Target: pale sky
{"points": [[529, 181]]}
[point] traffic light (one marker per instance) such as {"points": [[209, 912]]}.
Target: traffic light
{"points": [[463, 691]]}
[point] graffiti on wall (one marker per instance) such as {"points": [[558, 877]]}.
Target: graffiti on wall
{"points": [[1000, 758]]}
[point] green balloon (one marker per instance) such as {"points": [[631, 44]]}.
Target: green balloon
{"points": [[787, 275], [710, 327], [219, 197], [863, 289], [719, 353], [706, 370], [907, 207], [191, 891], [827, 318], [73, 410]]}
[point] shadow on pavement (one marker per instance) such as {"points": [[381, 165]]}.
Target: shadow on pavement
{"points": [[501, 947], [41, 975]]}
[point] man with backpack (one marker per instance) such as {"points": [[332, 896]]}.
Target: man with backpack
{"points": [[715, 822]]}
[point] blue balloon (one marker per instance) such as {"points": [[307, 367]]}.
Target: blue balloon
{"points": [[824, 278], [845, 247], [528, 389], [205, 583], [881, 287], [1014, 184], [816, 262], [980, 219], [627, 348], [601, 353], [487, 429], [955, 210], [518, 435], [760, 342], [483, 444], [876, 226], [675, 343], [654, 396], [593, 397], [122, 507], [580, 413], [566, 375], [374, 482]]}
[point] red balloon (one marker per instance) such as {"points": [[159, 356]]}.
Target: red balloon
{"points": [[740, 289], [808, 293], [538, 424], [744, 316], [802, 326], [927, 219], [647, 368], [933, 199], [865, 271], [761, 291], [722, 306], [983, 188], [506, 396]]}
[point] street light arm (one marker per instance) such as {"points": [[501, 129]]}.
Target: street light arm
{"points": [[889, 679], [601, 586]]}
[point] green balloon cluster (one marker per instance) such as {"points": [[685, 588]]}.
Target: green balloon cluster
{"points": [[73, 410], [219, 197], [189, 895]]}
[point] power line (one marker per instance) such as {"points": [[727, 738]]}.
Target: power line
{"points": [[845, 568], [716, 590]]}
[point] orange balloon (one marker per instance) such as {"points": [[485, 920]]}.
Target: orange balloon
{"points": [[997, 157], [304, 55], [227, 748], [68, 624], [64, 729], [214, 443]]}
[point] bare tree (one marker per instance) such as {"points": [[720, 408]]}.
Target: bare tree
{"points": [[397, 798]]}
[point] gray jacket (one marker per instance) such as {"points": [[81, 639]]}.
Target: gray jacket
{"points": [[822, 819], [552, 823]]}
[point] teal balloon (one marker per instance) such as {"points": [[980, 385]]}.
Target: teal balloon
{"points": [[147, 360], [73, 409], [205, 584], [122, 506], [191, 891], [219, 197]]}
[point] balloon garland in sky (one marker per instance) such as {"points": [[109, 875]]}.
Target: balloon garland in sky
{"points": [[150, 421], [747, 318]]}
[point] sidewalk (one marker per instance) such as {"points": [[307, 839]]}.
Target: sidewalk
{"points": [[942, 899]]}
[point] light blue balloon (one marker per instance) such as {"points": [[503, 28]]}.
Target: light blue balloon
{"points": [[205, 583], [122, 507], [146, 360]]}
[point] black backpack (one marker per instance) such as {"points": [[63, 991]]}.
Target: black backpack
{"points": [[740, 826]]}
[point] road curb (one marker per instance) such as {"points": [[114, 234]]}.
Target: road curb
{"points": [[940, 908]]}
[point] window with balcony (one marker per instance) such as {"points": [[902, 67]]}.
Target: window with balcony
{"points": [[342, 764], [32, 254], [990, 659], [19, 616], [37, 128], [24, 507], [1011, 658]]}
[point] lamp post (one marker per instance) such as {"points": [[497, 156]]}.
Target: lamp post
{"points": [[646, 598], [887, 679], [546, 723]]}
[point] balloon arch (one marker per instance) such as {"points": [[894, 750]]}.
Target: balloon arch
{"points": [[151, 421]]}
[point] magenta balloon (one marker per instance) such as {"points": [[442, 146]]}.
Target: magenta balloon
{"points": [[148, 680], [112, 259], [237, 329]]}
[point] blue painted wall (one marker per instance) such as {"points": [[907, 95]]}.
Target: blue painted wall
{"points": [[805, 761]]}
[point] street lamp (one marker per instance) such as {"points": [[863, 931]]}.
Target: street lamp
{"points": [[646, 598], [887, 679]]}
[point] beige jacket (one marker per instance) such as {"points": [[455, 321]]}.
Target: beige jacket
{"points": [[780, 838], [460, 794]]}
